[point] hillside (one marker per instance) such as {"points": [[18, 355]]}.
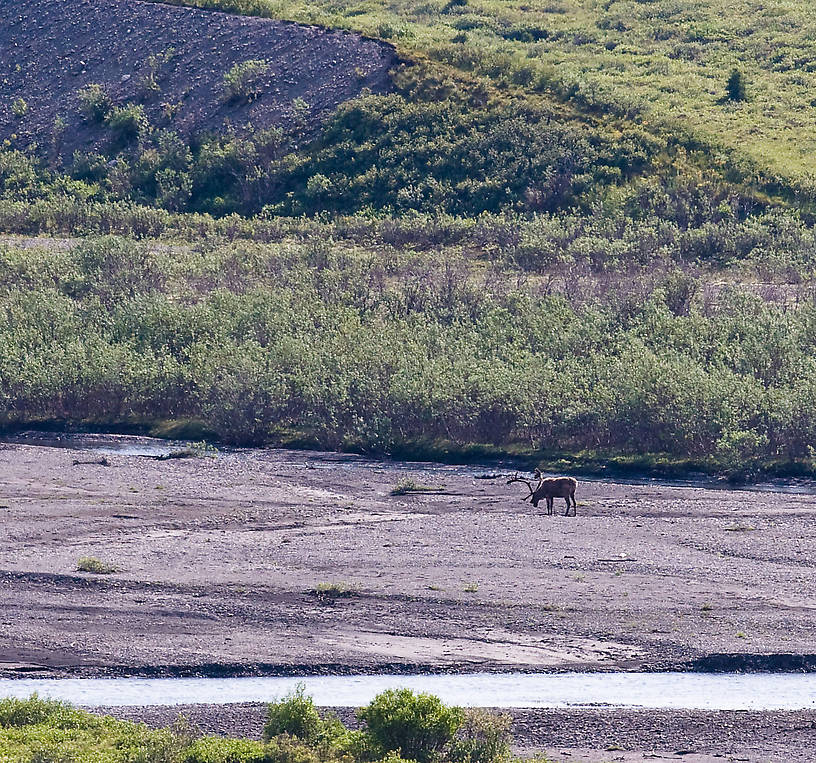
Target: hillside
{"points": [[481, 256], [661, 62], [172, 62]]}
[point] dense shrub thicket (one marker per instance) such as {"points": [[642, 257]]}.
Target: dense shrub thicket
{"points": [[396, 723], [366, 350], [379, 152]]}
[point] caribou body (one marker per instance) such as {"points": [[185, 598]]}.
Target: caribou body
{"points": [[551, 488]]}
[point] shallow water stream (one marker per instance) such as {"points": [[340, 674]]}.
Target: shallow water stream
{"points": [[704, 691]]}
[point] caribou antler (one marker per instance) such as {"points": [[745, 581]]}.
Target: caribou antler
{"points": [[516, 478]]}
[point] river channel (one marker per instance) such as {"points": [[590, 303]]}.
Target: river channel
{"points": [[669, 690]]}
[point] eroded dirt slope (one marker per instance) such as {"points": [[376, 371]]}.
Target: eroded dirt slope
{"points": [[49, 49]]}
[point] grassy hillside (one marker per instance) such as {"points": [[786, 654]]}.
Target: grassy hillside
{"points": [[663, 62]]}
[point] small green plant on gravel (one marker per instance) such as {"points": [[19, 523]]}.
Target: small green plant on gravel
{"points": [[149, 82], [331, 591], [245, 81], [19, 108], [203, 449], [170, 110], [127, 122], [406, 486], [471, 588], [96, 566], [94, 103], [419, 726]]}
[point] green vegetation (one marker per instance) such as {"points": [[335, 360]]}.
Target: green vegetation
{"points": [[735, 88], [408, 486], [19, 108], [563, 236], [149, 81], [332, 591], [94, 102], [127, 122], [397, 724], [386, 153], [96, 566], [659, 63], [419, 726], [245, 81], [355, 343]]}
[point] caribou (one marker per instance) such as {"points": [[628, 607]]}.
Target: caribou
{"points": [[550, 488]]}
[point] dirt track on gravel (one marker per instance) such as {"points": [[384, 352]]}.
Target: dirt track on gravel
{"points": [[52, 48], [218, 559]]}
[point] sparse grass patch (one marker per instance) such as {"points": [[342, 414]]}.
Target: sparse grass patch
{"points": [[471, 587], [96, 566], [149, 81], [332, 591], [407, 486]]}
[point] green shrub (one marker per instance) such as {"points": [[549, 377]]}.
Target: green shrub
{"points": [[94, 102], [36, 711], [127, 122], [483, 737], [220, 750], [296, 715], [19, 108], [96, 566], [418, 726], [735, 87], [246, 80]]}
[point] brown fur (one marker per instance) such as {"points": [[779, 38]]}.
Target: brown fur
{"points": [[556, 487], [551, 488]]}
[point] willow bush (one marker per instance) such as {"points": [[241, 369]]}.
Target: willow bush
{"points": [[352, 348]]}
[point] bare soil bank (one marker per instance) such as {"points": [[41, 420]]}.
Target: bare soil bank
{"points": [[219, 558], [589, 736], [52, 48]]}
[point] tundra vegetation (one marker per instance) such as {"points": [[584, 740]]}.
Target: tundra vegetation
{"points": [[511, 252], [397, 725]]}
